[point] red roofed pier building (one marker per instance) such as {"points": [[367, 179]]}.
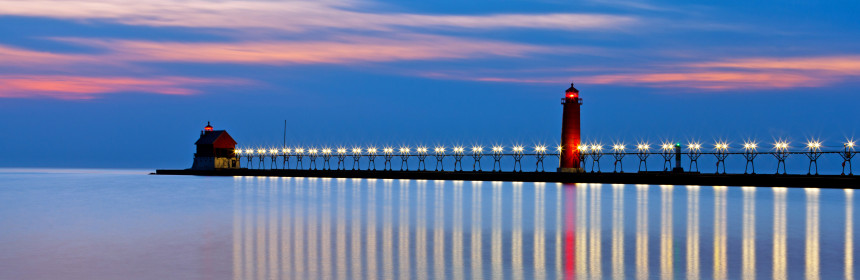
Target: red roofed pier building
{"points": [[215, 150]]}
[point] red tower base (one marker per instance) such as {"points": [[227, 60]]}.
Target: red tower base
{"points": [[571, 170]]}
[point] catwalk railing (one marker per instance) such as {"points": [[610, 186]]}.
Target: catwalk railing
{"points": [[513, 161]]}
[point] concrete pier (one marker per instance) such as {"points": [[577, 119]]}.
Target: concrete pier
{"points": [[650, 178]]}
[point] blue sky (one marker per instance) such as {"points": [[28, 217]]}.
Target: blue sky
{"points": [[118, 84]]}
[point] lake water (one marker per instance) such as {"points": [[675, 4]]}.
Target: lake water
{"points": [[108, 224]]}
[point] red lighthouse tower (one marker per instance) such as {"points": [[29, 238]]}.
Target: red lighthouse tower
{"points": [[570, 137]]}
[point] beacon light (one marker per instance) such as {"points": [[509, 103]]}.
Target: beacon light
{"points": [[273, 151], [618, 147], [540, 148], [750, 146], [439, 150], [814, 145], [404, 150], [458, 149], [643, 147], [261, 151], [356, 150], [313, 151], [387, 150], [300, 150], [371, 150], [596, 147], [249, 151], [694, 146], [477, 149], [849, 144], [422, 150], [518, 149], [341, 151], [286, 150], [721, 146], [497, 149]]}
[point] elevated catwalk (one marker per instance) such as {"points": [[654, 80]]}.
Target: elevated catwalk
{"points": [[650, 178]]}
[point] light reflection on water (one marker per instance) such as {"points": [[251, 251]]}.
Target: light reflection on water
{"points": [[388, 230], [126, 226]]}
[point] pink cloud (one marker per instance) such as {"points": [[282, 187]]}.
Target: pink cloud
{"points": [[292, 16], [734, 74], [79, 87], [848, 64], [710, 80], [344, 50], [123, 53], [16, 57]]}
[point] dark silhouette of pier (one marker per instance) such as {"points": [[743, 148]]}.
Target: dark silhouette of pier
{"points": [[649, 178]]}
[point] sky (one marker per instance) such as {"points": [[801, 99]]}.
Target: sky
{"points": [[129, 84]]}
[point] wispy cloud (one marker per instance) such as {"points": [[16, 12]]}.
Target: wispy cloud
{"points": [[762, 73], [124, 54], [845, 64], [17, 57], [342, 50], [709, 80], [292, 15], [80, 87]]}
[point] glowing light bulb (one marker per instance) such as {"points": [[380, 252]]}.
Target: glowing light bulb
{"points": [[356, 150], [540, 148], [237, 151], [694, 147], [477, 149], [497, 149]]}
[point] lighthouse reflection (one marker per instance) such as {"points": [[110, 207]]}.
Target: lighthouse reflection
{"points": [[315, 228]]}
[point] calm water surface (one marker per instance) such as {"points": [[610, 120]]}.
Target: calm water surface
{"points": [[98, 224]]}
